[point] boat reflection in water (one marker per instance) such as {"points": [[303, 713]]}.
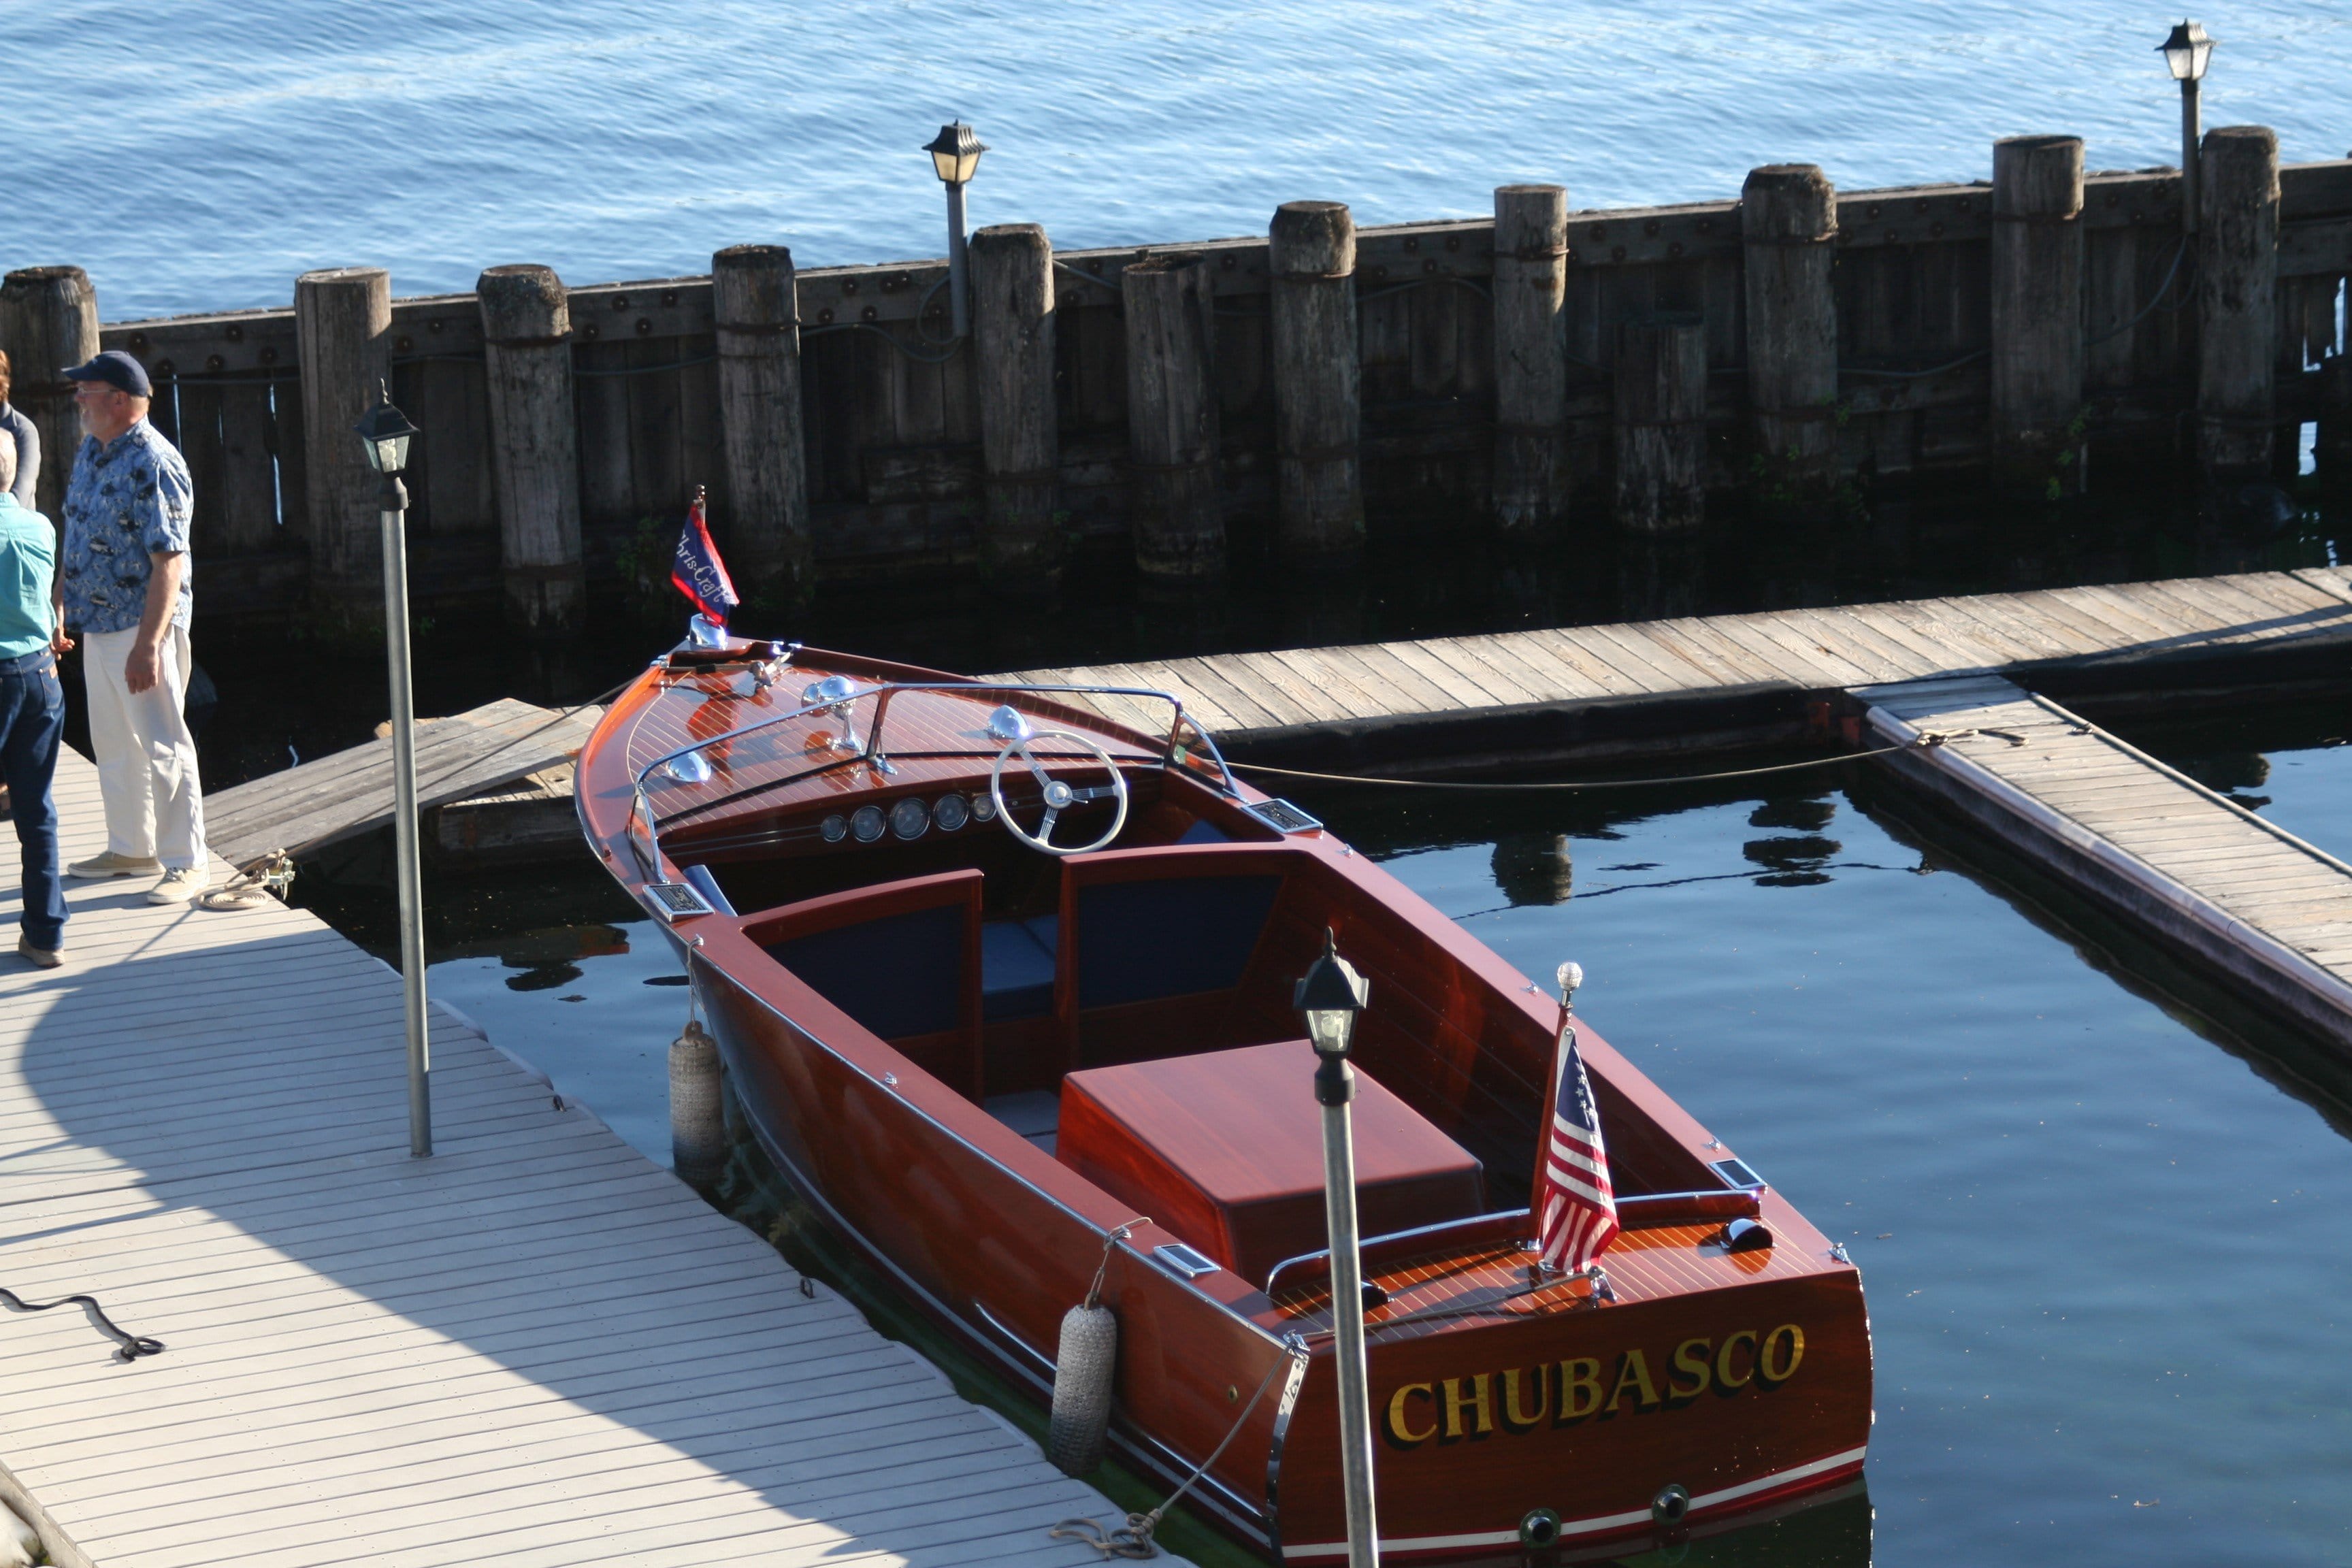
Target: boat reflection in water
{"points": [[996, 970]]}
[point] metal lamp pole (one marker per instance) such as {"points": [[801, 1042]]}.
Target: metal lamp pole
{"points": [[2185, 52], [955, 158], [386, 433], [1330, 995]]}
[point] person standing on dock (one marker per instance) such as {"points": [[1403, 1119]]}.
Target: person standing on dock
{"points": [[32, 712], [124, 585], [24, 438]]}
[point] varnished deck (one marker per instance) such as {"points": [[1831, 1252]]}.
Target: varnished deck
{"points": [[2201, 870], [535, 1348], [1423, 687]]}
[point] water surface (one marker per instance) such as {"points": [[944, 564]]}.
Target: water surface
{"points": [[214, 152]]}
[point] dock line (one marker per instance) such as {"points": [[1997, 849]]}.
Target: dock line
{"points": [[128, 1346], [1924, 738]]}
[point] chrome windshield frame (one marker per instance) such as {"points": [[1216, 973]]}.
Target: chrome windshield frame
{"points": [[871, 752]]}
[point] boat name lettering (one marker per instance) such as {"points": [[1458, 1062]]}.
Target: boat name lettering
{"points": [[1561, 1393]]}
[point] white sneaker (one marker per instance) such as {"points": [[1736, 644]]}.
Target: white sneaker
{"points": [[112, 864], [179, 884]]}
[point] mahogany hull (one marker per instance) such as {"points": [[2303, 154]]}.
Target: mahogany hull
{"points": [[994, 1255], [1742, 1379]]}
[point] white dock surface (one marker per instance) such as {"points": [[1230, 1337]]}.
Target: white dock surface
{"points": [[536, 1348]]}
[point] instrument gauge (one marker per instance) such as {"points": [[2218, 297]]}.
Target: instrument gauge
{"points": [[983, 808], [834, 828], [910, 818], [951, 812], [866, 824]]}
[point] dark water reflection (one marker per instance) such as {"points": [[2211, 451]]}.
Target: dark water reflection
{"points": [[1423, 576]]}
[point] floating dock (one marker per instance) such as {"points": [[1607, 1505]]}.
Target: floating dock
{"points": [[482, 766], [1702, 683], [2203, 872], [534, 1348]]}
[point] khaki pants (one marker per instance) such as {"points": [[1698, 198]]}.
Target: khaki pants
{"points": [[146, 758]]}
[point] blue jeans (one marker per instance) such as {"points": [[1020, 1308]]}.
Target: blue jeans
{"points": [[32, 722]]}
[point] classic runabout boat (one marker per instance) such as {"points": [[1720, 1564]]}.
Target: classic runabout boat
{"points": [[997, 971]]}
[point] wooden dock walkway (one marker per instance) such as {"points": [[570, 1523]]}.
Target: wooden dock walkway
{"points": [[1702, 682], [2200, 871], [314, 804], [536, 1348]]}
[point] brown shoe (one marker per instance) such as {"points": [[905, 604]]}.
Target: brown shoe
{"points": [[39, 957]]}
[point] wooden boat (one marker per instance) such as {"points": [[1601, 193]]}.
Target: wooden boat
{"points": [[1013, 967]]}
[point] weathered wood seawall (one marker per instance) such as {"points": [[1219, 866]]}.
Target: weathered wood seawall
{"points": [[890, 419]]}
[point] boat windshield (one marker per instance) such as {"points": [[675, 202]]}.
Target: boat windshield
{"points": [[840, 723]]}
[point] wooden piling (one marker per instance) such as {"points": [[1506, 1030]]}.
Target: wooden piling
{"points": [[1531, 473], [1661, 422], [48, 320], [534, 445], [343, 324], [1788, 223], [1318, 387], [1171, 417], [2037, 315], [1012, 270], [755, 300], [2237, 301]]}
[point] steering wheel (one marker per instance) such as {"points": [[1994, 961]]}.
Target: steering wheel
{"points": [[1059, 797]]}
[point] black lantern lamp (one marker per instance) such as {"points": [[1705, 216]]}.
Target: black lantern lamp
{"points": [[1330, 995], [386, 432], [2186, 52], [955, 153], [955, 157]]}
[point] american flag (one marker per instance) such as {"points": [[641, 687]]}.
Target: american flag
{"points": [[1575, 1207], [697, 572]]}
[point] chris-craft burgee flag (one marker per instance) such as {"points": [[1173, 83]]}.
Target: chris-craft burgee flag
{"points": [[697, 572], [1576, 1208]]}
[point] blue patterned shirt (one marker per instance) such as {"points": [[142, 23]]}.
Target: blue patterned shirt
{"points": [[129, 499]]}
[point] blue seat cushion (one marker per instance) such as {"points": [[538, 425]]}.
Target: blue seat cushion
{"points": [[1016, 967]]}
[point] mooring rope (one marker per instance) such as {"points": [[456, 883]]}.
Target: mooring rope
{"points": [[128, 1346], [1926, 738], [1133, 1539]]}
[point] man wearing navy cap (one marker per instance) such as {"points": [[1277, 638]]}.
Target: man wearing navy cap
{"points": [[123, 584]]}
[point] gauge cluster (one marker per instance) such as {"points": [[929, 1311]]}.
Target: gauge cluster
{"points": [[909, 819]]}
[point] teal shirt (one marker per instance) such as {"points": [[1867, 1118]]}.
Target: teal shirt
{"points": [[29, 558]]}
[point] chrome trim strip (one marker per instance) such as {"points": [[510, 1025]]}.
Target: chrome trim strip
{"points": [[1274, 1275], [1588, 1526], [1282, 1412]]}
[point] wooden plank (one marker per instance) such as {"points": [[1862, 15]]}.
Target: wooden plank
{"points": [[1414, 692]]}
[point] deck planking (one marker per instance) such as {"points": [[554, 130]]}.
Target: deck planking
{"points": [[2200, 871], [1340, 693], [332, 797], [535, 1348]]}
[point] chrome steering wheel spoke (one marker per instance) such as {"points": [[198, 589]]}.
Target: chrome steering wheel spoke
{"points": [[1058, 795]]}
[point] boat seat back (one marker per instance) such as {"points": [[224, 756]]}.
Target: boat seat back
{"points": [[1142, 940], [1016, 967], [896, 975]]}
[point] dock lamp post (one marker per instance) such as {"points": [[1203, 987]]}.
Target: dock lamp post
{"points": [[1330, 995], [2185, 52], [955, 154], [386, 432]]}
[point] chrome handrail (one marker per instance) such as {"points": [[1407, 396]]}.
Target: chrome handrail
{"points": [[870, 753]]}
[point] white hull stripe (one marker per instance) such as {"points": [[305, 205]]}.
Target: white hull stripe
{"points": [[1588, 1526]]}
